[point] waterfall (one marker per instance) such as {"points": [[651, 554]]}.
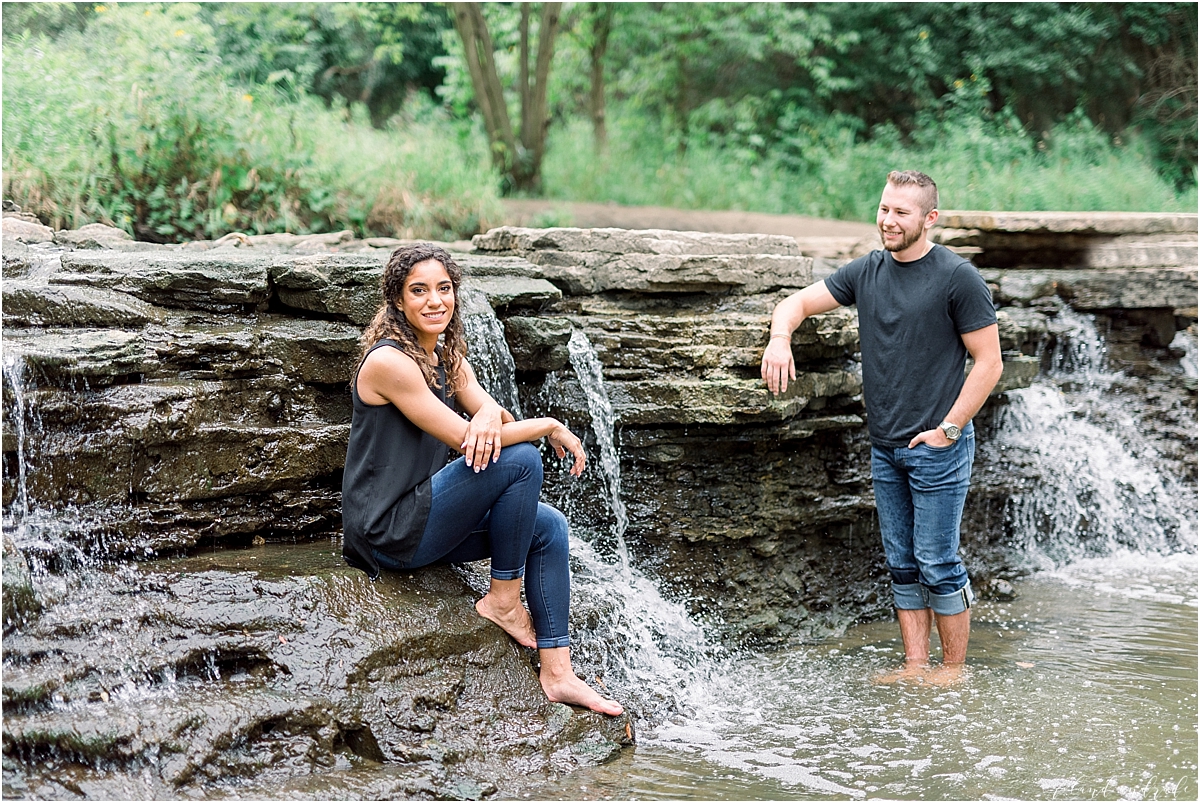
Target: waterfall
{"points": [[488, 350], [14, 372], [591, 379], [1186, 342], [648, 648], [1097, 490]]}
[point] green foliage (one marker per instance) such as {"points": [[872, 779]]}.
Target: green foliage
{"points": [[180, 120], [135, 123], [50, 19], [370, 53], [824, 170], [741, 72]]}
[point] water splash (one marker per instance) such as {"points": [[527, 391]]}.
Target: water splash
{"points": [[591, 378], [1186, 342], [1080, 353], [488, 351], [1096, 489], [647, 650]]}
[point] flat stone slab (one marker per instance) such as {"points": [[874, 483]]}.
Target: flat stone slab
{"points": [[632, 241], [27, 231], [588, 261], [1019, 372], [1103, 223], [347, 285], [96, 355], [1139, 288], [518, 292], [676, 400], [207, 281], [998, 249], [586, 273], [704, 342], [306, 350], [37, 303]]}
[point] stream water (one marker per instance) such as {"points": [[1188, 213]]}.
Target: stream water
{"points": [[1083, 686]]}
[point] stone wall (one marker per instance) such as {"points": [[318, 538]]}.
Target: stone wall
{"points": [[184, 395]]}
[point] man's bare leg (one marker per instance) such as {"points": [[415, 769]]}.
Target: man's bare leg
{"points": [[562, 685], [955, 632], [915, 626]]}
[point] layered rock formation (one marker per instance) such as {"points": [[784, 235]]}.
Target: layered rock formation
{"points": [[174, 395], [160, 398], [164, 398]]}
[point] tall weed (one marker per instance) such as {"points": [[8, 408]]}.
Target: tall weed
{"points": [[824, 168], [136, 124]]}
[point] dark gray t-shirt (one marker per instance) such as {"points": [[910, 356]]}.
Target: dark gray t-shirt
{"points": [[911, 316]]}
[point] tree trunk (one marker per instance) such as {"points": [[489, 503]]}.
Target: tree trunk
{"points": [[602, 14], [489, 95], [537, 122], [519, 161]]}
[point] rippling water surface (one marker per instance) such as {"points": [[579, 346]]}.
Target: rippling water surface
{"points": [[1084, 687]]}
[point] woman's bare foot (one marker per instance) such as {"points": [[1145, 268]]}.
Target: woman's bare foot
{"points": [[562, 685], [512, 619], [573, 691]]}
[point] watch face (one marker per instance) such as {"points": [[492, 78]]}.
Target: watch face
{"points": [[952, 432]]}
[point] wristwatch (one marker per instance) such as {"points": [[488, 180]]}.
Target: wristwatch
{"points": [[952, 430]]}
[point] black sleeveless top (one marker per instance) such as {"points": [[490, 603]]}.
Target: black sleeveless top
{"points": [[386, 488]]}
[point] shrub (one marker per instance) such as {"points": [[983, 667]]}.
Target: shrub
{"points": [[825, 167], [135, 123]]}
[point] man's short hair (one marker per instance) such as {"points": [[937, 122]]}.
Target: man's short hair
{"points": [[915, 178]]}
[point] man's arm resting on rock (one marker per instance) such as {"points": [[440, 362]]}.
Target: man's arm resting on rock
{"points": [[984, 347], [778, 364]]}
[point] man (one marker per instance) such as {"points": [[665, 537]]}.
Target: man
{"points": [[921, 310]]}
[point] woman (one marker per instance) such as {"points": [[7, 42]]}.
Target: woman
{"points": [[404, 508]]}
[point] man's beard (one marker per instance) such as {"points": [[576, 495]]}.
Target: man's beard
{"points": [[907, 238]]}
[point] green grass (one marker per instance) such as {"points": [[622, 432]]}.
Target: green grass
{"points": [[978, 165], [136, 124]]}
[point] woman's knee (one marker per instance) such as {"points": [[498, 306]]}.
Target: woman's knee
{"points": [[551, 528], [524, 455]]}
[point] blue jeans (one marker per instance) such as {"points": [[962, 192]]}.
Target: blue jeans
{"points": [[496, 514], [919, 496]]}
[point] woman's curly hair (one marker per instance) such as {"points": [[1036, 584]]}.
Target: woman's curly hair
{"points": [[390, 323]]}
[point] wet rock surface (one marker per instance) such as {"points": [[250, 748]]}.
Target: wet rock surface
{"points": [[276, 669], [193, 400]]}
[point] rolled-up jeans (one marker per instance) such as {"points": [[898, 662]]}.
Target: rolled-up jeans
{"points": [[495, 513], [919, 496]]}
